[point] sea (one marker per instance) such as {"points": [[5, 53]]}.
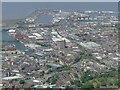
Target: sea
{"points": [[17, 10]]}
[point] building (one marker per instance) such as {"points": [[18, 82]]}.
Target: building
{"points": [[59, 43]]}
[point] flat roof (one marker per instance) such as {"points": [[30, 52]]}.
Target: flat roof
{"points": [[12, 77], [89, 45], [54, 65]]}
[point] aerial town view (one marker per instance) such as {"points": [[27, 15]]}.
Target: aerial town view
{"points": [[59, 45]]}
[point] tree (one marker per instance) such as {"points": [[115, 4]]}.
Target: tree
{"points": [[77, 59], [21, 82], [118, 83], [88, 86], [88, 75], [76, 83], [75, 75]]}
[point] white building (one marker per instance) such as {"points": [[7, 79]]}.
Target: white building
{"points": [[11, 31]]}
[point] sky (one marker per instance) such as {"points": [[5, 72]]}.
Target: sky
{"points": [[59, 0]]}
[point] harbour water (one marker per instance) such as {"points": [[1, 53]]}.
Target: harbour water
{"points": [[44, 19], [19, 46], [7, 38]]}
